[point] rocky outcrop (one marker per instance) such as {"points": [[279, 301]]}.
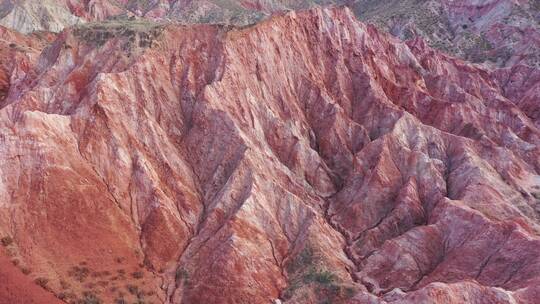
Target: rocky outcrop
{"points": [[308, 158]]}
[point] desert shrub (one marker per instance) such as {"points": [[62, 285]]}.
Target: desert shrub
{"points": [[137, 274], [64, 284], [132, 289], [120, 301], [6, 241], [79, 273], [26, 270], [89, 298], [99, 274], [42, 282], [181, 274]]}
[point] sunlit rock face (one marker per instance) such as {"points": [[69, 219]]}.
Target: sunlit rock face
{"points": [[307, 159]]}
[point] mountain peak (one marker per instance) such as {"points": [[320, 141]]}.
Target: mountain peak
{"points": [[308, 158]]}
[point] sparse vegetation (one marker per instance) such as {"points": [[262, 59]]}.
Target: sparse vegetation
{"points": [[136, 32], [89, 297], [308, 270]]}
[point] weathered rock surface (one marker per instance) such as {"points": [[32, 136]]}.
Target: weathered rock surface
{"points": [[308, 158]]}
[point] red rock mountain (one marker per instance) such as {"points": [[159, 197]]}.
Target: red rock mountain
{"points": [[306, 159]]}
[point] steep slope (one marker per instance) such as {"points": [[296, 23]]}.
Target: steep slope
{"points": [[309, 158]]}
